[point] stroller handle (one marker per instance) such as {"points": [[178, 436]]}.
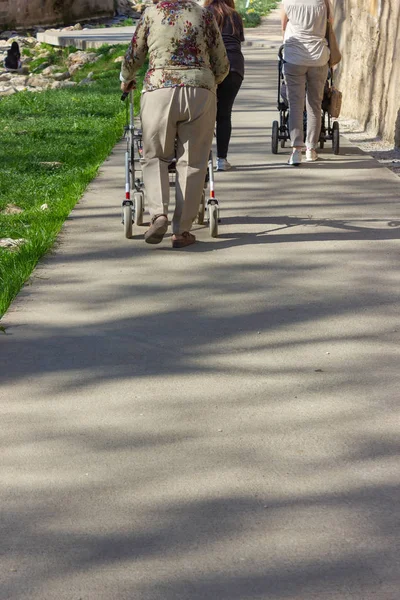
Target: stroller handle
{"points": [[280, 52]]}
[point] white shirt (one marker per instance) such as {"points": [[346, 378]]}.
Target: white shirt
{"points": [[305, 41]]}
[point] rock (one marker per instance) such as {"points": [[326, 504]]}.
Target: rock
{"points": [[50, 165], [5, 76], [44, 54], [41, 67], [81, 58], [5, 35], [58, 85], [7, 91], [51, 70], [77, 27], [126, 7], [29, 42], [19, 80], [68, 84], [119, 59], [37, 81], [12, 209], [3, 43], [23, 41], [62, 76], [74, 68], [76, 60], [11, 243]]}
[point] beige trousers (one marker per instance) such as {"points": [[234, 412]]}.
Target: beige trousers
{"points": [[297, 77], [186, 114]]}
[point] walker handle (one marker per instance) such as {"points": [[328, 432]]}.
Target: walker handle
{"points": [[131, 86]]}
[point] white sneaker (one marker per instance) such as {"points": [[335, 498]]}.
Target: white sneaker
{"points": [[295, 158], [222, 165], [311, 155]]}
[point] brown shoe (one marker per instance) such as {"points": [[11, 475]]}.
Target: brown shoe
{"points": [[185, 239], [157, 230]]}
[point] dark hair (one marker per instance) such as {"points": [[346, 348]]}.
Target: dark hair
{"points": [[222, 10], [15, 49]]}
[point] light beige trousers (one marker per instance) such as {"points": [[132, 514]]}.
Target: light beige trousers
{"points": [[186, 114], [305, 84]]}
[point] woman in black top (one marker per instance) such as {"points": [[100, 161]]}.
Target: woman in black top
{"points": [[230, 23]]}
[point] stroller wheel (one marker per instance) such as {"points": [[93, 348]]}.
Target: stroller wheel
{"points": [[275, 137], [335, 138]]}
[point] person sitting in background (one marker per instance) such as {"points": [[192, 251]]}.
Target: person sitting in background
{"points": [[12, 62], [231, 26], [187, 60]]}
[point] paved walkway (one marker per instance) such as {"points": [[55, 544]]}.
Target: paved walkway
{"points": [[217, 423]]}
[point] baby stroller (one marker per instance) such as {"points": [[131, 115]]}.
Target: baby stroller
{"points": [[280, 129]]}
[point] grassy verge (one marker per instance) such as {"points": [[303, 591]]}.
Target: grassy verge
{"points": [[54, 56], [256, 9], [51, 146]]}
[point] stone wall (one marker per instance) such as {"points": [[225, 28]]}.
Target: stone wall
{"points": [[26, 13], [369, 75]]}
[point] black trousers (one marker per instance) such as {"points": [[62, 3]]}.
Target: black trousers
{"points": [[226, 94]]}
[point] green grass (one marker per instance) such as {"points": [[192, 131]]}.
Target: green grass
{"points": [[76, 127], [56, 56], [129, 22], [257, 8]]}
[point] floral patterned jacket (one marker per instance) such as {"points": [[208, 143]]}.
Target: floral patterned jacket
{"points": [[184, 44]]}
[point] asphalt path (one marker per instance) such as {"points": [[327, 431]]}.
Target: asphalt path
{"points": [[219, 422]]}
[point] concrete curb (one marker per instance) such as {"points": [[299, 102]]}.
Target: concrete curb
{"points": [[90, 38]]}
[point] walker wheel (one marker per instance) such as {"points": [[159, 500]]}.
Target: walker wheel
{"points": [[127, 220], [275, 137], [139, 207], [335, 138], [213, 219], [202, 208]]}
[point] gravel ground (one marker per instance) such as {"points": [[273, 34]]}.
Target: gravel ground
{"points": [[383, 151]]}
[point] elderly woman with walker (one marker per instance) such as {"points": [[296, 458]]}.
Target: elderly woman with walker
{"points": [[187, 60]]}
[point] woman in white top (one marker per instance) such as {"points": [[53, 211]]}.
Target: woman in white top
{"points": [[306, 56]]}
